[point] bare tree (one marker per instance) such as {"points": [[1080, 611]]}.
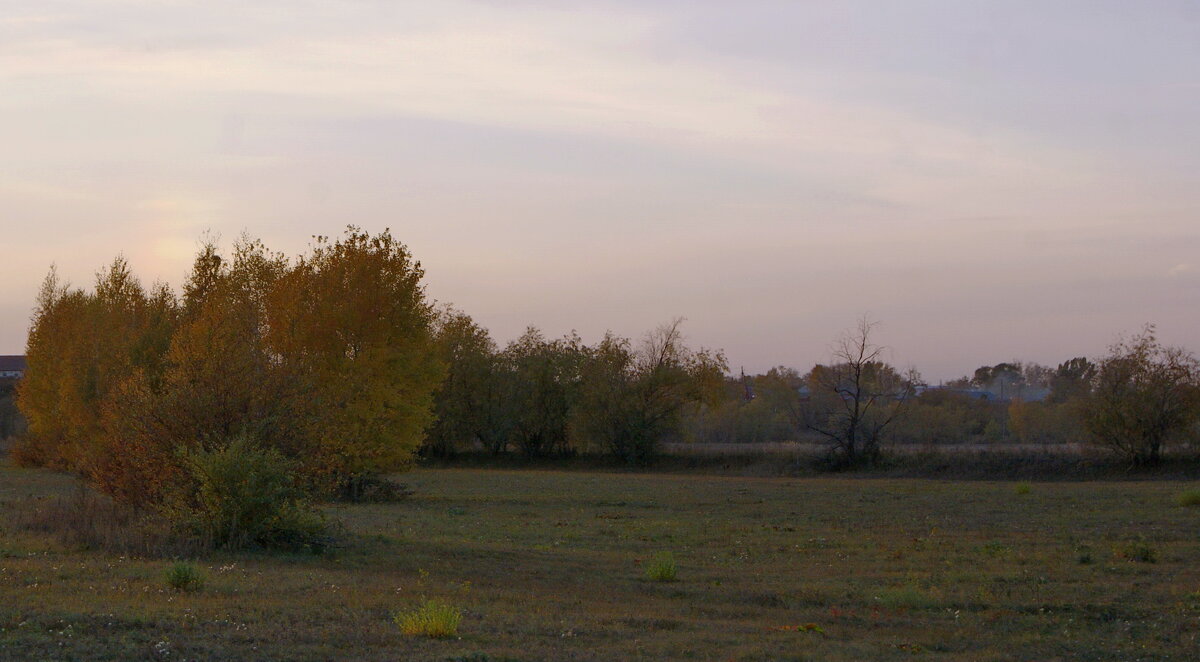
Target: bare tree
{"points": [[857, 396]]}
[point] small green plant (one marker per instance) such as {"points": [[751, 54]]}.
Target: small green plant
{"points": [[994, 549], [1023, 488], [1137, 551], [436, 619], [906, 597], [662, 568], [1188, 497], [185, 577]]}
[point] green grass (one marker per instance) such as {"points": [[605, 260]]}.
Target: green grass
{"points": [[1188, 497], [840, 568], [662, 568], [434, 618]]}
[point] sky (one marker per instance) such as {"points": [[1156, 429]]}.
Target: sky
{"points": [[988, 180]]}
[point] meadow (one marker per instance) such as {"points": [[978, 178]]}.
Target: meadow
{"points": [[550, 565]]}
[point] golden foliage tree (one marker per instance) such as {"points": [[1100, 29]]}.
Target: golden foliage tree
{"points": [[82, 347], [327, 359], [350, 322]]}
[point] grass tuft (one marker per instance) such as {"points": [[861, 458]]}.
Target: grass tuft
{"points": [[436, 619], [1023, 488], [184, 577], [906, 597], [1188, 497], [1137, 551], [662, 568]]}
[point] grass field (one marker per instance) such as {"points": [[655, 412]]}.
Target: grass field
{"points": [[549, 565]]}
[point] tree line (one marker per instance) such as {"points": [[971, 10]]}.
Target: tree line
{"points": [[540, 397], [336, 367], [1136, 401], [324, 371]]}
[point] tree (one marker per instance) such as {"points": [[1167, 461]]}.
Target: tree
{"points": [[327, 360], [472, 403], [1071, 380], [1005, 379], [350, 322], [82, 347], [857, 396], [546, 377], [632, 399], [218, 379], [786, 391], [1143, 397]]}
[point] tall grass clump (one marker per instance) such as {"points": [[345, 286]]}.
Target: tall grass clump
{"points": [[906, 597], [436, 619], [89, 520], [1188, 497], [662, 568], [184, 577]]}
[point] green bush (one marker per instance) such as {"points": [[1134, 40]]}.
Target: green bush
{"points": [[240, 494], [185, 577], [662, 568], [435, 618], [1188, 497], [1023, 488]]}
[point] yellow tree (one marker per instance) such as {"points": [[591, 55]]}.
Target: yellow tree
{"points": [[215, 380], [351, 324], [81, 348]]}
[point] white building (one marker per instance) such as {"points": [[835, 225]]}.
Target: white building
{"points": [[12, 367]]}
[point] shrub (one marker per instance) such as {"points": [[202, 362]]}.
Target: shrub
{"points": [[1023, 488], [435, 618], [1188, 497], [185, 577], [371, 489], [241, 494], [661, 568]]}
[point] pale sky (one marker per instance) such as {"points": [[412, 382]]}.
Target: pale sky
{"points": [[991, 180]]}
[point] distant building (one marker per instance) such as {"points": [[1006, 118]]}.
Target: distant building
{"points": [[12, 367]]}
